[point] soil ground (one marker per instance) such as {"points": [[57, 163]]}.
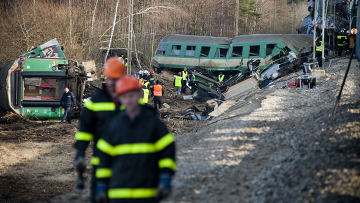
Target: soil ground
{"points": [[276, 145]]}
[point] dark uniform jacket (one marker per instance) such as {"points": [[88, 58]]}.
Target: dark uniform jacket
{"points": [[132, 154], [67, 99], [96, 114]]}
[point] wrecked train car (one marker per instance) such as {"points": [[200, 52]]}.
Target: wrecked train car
{"points": [[33, 84], [226, 54]]}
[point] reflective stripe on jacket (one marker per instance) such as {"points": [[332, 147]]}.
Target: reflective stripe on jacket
{"points": [[221, 77], [158, 90]]}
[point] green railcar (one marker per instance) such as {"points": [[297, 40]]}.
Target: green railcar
{"points": [[33, 84], [226, 54]]}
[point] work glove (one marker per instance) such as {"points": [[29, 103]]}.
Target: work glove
{"points": [[101, 192], [164, 186]]}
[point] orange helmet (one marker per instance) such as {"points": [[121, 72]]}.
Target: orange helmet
{"points": [[179, 73], [114, 68], [127, 84]]}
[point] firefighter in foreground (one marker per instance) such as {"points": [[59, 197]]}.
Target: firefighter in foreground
{"points": [[97, 112], [137, 152]]}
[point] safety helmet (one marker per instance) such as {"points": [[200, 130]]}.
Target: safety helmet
{"points": [[127, 84], [114, 68], [152, 72], [179, 73], [146, 72], [141, 72]]}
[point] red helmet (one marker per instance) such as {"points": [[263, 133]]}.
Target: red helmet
{"points": [[179, 73], [152, 72], [114, 68], [127, 84]]}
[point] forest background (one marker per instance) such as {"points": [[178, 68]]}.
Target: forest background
{"points": [[82, 27]]}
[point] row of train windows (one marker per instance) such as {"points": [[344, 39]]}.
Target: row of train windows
{"points": [[219, 53]]}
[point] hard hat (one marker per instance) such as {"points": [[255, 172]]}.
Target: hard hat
{"points": [[114, 68], [146, 72], [152, 72], [127, 84], [141, 72], [179, 73]]}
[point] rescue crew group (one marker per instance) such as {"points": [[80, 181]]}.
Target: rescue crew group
{"points": [[345, 43], [133, 151]]}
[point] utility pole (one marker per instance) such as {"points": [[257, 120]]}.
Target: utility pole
{"points": [[314, 37], [323, 33], [70, 26], [130, 30], [237, 7], [112, 31]]}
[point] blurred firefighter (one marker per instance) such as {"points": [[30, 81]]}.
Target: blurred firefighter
{"points": [[137, 152], [97, 112], [319, 48], [158, 93], [184, 80], [178, 84], [341, 42], [67, 102], [221, 77]]}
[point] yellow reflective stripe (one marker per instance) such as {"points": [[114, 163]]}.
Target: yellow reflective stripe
{"points": [[137, 148], [128, 193], [164, 142], [103, 173], [105, 147], [83, 136], [167, 163], [95, 161], [100, 106]]}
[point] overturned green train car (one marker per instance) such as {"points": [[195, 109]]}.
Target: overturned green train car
{"points": [[33, 84], [227, 54]]}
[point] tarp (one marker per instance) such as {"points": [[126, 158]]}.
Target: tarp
{"points": [[50, 49]]}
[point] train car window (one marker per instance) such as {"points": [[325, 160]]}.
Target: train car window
{"points": [[254, 50], [43, 89], [190, 51], [237, 51], [205, 51], [162, 49], [221, 52], [269, 49], [175, 50]]}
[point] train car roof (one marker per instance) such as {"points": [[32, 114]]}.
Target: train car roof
{"points": [[298, 42], [196, 39]]}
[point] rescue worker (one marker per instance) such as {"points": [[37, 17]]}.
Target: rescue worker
{"points": [[178, 84], [137, 152], [146, 94], [184, 80], [67, 102], [158, 93], [192, 82], [152, 81], [221, 77], [341, 42], [319, 49], [97, 111]]}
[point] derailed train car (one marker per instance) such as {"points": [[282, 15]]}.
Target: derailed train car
{"points": [[227, 54], [33, 84]]}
